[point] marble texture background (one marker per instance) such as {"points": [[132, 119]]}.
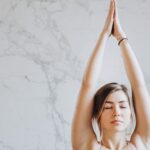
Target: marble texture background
{"points": [[44, 48]]}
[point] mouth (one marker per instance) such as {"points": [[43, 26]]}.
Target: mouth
{"points": [[116, 122]]}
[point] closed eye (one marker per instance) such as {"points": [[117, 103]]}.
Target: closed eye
{"points": [[107, 107], [123, 107]]}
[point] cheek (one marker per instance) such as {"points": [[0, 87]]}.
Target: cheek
{"points": [[127, 115], [105, 117]]}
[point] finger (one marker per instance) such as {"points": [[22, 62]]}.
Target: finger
{"points": [[111, 11], [116, 9], [111, 8]]}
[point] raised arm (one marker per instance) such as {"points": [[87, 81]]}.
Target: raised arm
{"points": [[82, 131], [138, 85]]}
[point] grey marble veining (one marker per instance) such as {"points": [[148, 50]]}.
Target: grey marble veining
{"points": [[44, 48]]}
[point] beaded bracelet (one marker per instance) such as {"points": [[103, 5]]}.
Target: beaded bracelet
{"points": [[122, 40]]}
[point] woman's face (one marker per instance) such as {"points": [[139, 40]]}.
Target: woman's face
{"points": [[116, 112]]}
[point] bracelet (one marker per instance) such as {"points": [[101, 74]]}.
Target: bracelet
{"points": [[122, 40]]}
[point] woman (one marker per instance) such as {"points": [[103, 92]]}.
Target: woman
{"points": [[110, 105]]}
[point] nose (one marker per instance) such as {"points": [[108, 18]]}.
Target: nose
{"points": [[116, 111]]}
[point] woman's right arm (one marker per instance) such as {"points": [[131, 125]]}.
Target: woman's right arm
{"points": [[82, 131], [81, 125]]}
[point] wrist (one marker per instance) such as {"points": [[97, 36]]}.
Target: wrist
{"points": [[121, 36], [122, 40], [105, 34]]}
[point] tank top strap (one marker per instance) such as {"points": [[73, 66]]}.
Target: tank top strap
{"points": [[101, 146]]}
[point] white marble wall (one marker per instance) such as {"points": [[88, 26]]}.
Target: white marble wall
{"points": [[44, 48]]}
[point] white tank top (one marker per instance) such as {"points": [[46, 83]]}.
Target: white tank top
{"points": [[102, 147]]}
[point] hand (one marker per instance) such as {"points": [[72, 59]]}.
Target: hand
{"points": [[109, 20], [117, 31]]}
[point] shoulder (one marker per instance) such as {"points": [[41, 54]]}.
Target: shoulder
{"points": [[87, 142], [130, 146], [95, 145], [139, 143], [89, 145]]}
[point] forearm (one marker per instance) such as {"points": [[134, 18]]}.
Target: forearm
{"points": [[95, 61], [132, 66]]}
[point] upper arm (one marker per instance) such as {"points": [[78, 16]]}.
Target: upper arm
{"points": [[81, 125], [142, 106]]}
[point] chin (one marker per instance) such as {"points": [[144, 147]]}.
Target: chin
{"points": [[118, 128]]}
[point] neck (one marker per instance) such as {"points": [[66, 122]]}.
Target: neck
{"points": [[114, 140]]}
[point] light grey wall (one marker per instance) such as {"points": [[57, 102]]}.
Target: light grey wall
{"points": [[44, 48]]}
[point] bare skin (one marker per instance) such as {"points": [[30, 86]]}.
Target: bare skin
{"points": [[83, 136]]}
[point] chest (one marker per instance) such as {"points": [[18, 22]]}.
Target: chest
{"points": [[128, 147]]}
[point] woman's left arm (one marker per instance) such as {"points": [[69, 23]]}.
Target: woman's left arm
{"points": [[136, 78], [139, 90]]}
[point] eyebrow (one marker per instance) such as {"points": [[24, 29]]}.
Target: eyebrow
{"points": [[110, 102]]}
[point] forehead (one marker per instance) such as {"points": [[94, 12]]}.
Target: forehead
{"points": [[118, 96]]}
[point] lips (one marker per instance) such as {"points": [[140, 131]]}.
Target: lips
{"points": [[116, 121]]}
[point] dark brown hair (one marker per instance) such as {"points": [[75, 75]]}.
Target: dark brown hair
{"points": [[102, 93]]}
